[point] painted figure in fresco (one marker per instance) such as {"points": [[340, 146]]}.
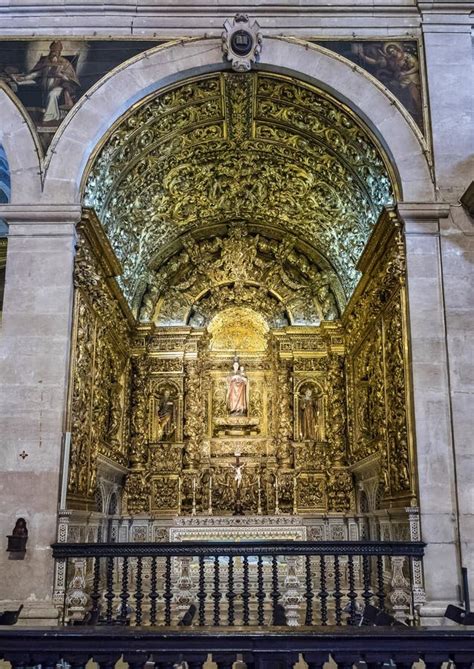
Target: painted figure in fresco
{"points": [[309, 414], [57, 77], [166, 419], [238, 391], [396, 66]]}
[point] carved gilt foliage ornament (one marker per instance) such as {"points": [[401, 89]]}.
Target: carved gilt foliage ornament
{"points": [[242, 269], [254, 147], [100, 376], [377, 381]]}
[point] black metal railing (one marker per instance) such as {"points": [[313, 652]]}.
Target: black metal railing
{"points": [[239, 583], [398, 648]]}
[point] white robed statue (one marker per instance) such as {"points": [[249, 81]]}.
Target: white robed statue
{"points": [[238, 391]]}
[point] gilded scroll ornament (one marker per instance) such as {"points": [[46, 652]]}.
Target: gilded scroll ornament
{"points": [[336, 420], [99, 377], [137, 495], [376, 342], [340, 490], [260, 147]]}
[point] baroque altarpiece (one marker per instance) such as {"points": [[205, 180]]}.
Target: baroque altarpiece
{"points": [[218, 398]]}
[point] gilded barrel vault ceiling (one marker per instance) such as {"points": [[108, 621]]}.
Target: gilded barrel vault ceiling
{"points": [[253, 185]]}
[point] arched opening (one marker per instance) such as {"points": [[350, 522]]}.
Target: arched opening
{"points": [[258, 307]]}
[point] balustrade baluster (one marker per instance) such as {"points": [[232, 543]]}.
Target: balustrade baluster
{"points": [[275, 592], [380, 583], [337, 591], [109, 594], [201, 595], [352, 595], [245, 591], [230, 592], [366, 594], [316, 660], [260, 592], [105, 661], [323, 592], [216, 595], [195, 663], [95, 595], [167, 593], [139, 592], [20, 660], [308, 591], [124, 594], [153, 591]]}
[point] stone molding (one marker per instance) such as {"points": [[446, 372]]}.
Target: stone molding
{"points": [[422, 217], [38, 214], [423, 210]]}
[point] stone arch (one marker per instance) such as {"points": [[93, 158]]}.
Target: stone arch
{"points": [[21, 151], [112, 96]]}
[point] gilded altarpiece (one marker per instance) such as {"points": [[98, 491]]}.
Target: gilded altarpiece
{"points": [[281, 454], [379, 418], [319, 400], [100, 370]]}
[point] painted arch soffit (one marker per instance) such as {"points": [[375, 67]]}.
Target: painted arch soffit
{"points": [[229, 151]]}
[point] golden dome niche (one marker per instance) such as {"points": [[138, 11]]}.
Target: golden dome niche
{"points": [[238, 329]]}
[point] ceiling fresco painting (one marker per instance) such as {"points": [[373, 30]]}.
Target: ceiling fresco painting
{"points": [[50, 76], [250, 185], [395, 63]]}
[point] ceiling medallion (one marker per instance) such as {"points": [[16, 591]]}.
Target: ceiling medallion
{"points": [[241, 42]]}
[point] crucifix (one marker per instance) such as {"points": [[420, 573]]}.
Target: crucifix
{"points": [[238, 469]]}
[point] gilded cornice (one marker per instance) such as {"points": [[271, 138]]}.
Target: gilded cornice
{"points": [[93, 233], [383, 254]]}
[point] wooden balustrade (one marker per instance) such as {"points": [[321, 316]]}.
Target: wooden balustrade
{"points": [[219, 584]]}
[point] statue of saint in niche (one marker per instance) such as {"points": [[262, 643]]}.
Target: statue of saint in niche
{"points": [[238, 391], [166, 417], [309, 416]]}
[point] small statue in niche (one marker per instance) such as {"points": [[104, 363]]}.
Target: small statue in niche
{"points": [[17, 540], [166, 417], [20, 529], [309, 416], [238, 390], [115, 412]]}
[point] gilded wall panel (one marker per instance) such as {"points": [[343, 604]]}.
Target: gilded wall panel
{"points": [[377, 379], [99, 385]]}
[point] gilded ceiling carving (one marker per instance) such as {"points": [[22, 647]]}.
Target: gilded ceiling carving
{"points": [[259, 148], [241, 268]]}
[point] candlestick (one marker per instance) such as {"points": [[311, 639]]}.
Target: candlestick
{"points": [[259, 496], [194, 496], [210, 494], [295, 506], [277, 505]]}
